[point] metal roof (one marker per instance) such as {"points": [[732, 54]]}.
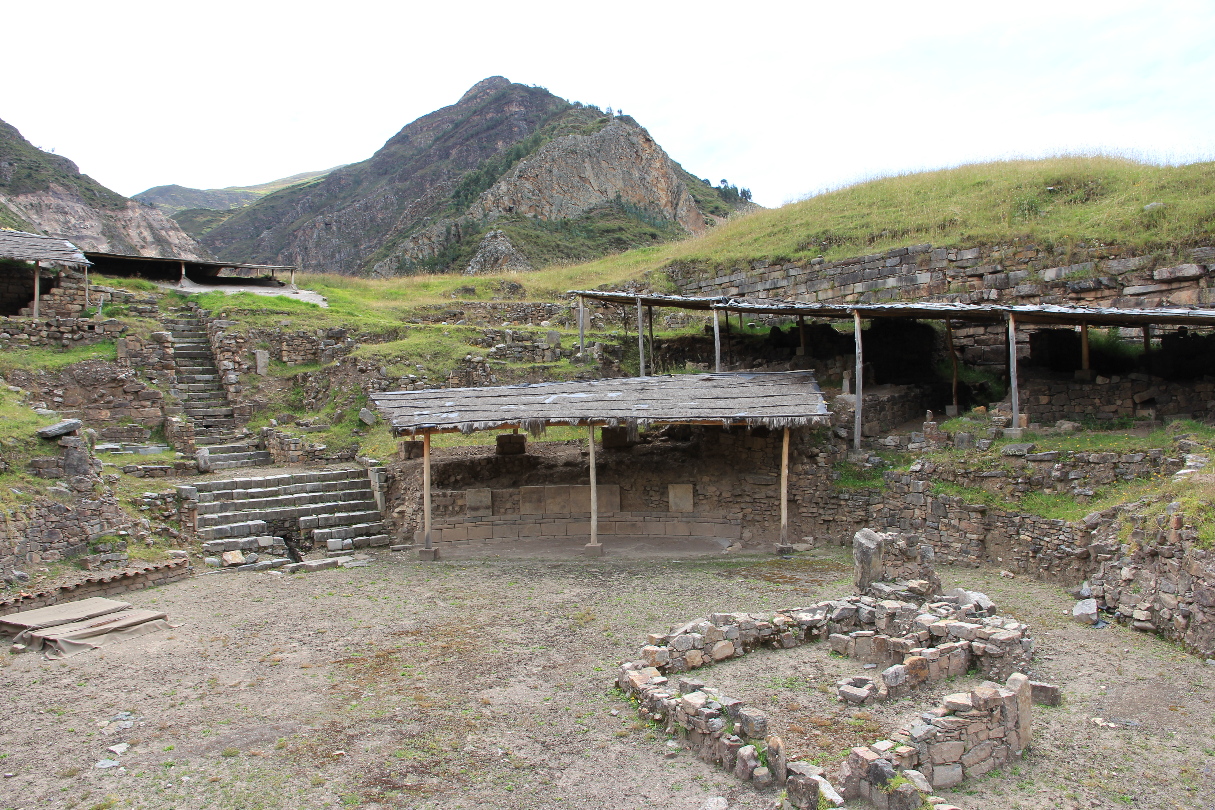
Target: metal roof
{"points": [[32, 247], [769, 399], [932, 310]]}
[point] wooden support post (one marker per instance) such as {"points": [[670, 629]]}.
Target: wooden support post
{"points": [[181, 280], [1083, 346], [1147, 338], [640, 342], [581, 325], [426, 544], [86, 286], [593, 548], [37, 287], [801, 332], [858, 379], [784, 489], [293, 278], [649, 314], [953, 354], [716, 341], [1012, 371]]}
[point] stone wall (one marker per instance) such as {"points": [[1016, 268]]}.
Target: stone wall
{"points": [[21, 333], [110, 397], [233, 357], [108, 585], [1133, 395], [535, 313], [287, 449], [49, 531], [1008, 274], [151, 356], [1163, 582], [66, 299]]}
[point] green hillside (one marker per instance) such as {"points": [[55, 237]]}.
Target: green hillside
{"points": [[174, 198], [26, 169], [1053, 201]]}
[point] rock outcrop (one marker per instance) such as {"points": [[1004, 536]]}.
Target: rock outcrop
{"points": [[496, 254]]}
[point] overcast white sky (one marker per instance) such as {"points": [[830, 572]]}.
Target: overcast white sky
{"points": [[785, 98]]}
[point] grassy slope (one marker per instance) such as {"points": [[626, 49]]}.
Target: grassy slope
{"points": [[34, 170], [1094, 200]]}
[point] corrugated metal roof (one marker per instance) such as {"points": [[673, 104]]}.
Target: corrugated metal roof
{"points": [[32, 247], [770, 399], [934, 310]]}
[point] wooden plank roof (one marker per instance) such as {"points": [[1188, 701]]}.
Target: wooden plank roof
{"points": [[929, 310], [32, 247], [769, 399], [174, 260]]}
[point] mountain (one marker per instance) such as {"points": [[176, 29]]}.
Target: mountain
{"points": [[46, 193], [174, 198], [509, 169]]}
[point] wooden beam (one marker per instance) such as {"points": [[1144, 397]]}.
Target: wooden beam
{"points": [[181, 280], [1012, 370], [37, 286], [649, 314], [426, 490], [86, 286], [784, 489], [858, 388], [801, 332], [1147, 338], [953, 353], [716, 341], [593, 548], [1084, 364], [293, 277], [581, 325], [640, 342]]}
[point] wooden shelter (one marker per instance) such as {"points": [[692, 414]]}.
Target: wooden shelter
{"points": [[781, 400], [947, 311], [42, 251], [178, 269]]}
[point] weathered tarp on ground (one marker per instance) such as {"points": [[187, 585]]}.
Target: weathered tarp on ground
{"points": [[18, 624], [65, 640]]}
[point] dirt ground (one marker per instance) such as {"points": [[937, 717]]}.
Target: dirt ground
{"points": [[486, 682]]}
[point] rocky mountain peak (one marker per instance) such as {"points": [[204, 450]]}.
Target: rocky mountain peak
{"points": [[485, 87]]}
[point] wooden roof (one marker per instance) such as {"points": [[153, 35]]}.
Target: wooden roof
{"points": [[176, 261], [770, 399], [929, 310], [32, 247]]}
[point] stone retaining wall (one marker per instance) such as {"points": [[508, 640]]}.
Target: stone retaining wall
{"points": [[1133, 395], [1012, 274], [109, 585], [535, 313], [49, 531], [20, 333]]}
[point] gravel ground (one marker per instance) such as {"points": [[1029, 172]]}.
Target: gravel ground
{"points": [[487, 683]]}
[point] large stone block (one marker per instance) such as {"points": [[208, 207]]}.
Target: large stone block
{"points": [[866, 559], [557, 500], [479, 502], [680, 497], [531, 500]]}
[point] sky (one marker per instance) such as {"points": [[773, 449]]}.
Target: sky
{"points": [[787, 99]]}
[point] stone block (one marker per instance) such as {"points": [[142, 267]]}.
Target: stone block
{"points": [[531, 500], [556, 500], [478, 502], [511, 444], [680, 497]]}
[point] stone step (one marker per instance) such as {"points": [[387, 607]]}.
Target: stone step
{"points": [[243, 454], [192, 353], [216, 466], [205, 387], [339, 519], [209, 413], [317, 511], [306, 488], [247, 528], [209, 369], [348, 532], [204, 400], [362, 541], [268, 481], [243, 544], [215, 439], [283, 502], [197, 379], [217, 450]]}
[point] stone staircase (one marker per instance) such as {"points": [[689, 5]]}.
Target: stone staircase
{"points": [[204, 399], [336, 509]]}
